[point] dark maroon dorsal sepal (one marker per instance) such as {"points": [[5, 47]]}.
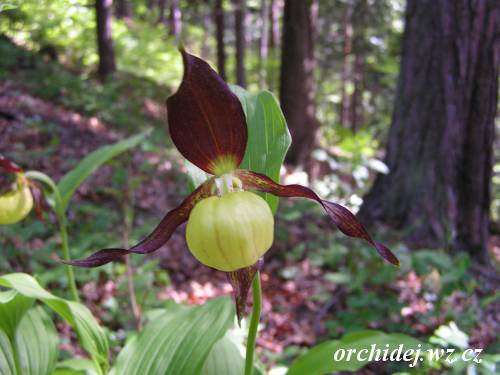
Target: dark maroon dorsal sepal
{"points": [[206, 120]]}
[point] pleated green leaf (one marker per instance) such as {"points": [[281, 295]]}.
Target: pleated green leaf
{"points": [[88, 165], [226, 357], [36, 343], [12, 308], [34, 348], [68, 371], [176, 342], [75, 366], [90, 335], [196, 175], [268, 136], [320, 359], [7, 356]]}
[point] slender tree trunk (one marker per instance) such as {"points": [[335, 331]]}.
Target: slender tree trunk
{"points": [[275, 7], [441, 139], [264, 41], [297, 79], [150, 4], [123, 9], [104, 38], [161, 10], [207, 29], [346, 67], [175, 19], [274, 20], [239, 32], [219, 36], [356, 105]]}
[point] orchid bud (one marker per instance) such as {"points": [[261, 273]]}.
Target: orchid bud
{"points": [[16, 204], [230, 232]]}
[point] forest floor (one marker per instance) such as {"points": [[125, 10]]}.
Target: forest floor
{"points": [[305, 301]]}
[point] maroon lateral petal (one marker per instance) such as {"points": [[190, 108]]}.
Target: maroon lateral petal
{"points": [[99, 258], [158, 237], [206, 120], [350, 226], [241, 280], [9, 166], [341, 216]]}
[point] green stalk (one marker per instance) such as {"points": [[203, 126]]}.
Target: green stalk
{"points": [[128, 215], [61, 218], [65, 250], [254, 324]]}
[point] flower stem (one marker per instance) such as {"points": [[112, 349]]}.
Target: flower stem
{"points": [[136, 310], [128, 214], [65, 249], [254, 324]]}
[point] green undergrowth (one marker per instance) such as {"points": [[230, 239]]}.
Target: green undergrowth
{"points": [[431, 289], [120, 101]]}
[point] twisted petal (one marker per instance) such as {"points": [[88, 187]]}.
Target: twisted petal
{"points": [[341, 216], [158, 237], [206, 120]]}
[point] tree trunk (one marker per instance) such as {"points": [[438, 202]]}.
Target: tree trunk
{"points": [[297, 79], [441, 139], [219, 36], [123, 9], [346, 67], [275, 10], [150, 4], [104, 38], [239, 32], [274, 15], [161, 10], [264, 42], [356, 100], [175, 19], [207, 30]]}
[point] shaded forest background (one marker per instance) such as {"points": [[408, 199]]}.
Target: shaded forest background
{"points": [[392, 108]]}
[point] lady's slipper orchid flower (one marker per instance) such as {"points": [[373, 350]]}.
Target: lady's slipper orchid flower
{"points": [[228, 227], [16, 199]]}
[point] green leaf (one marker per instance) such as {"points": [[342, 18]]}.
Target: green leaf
{"points": [[36, 343], [268, 136], [450, 334], [176, 342], [320, 359], [225, 358], [88, 165], [7, 359], [90, 334], [12, 308], [75, 366], [69, 371], [196, 175], [34, 348], [7, 6]]}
